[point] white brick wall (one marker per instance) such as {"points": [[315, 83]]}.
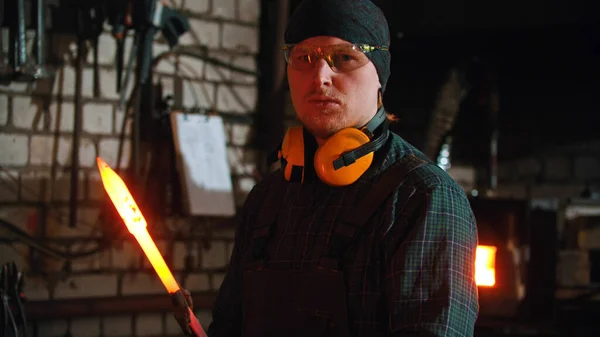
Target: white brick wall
{"points": [[202, 32], [236, 99], [215, 256], [224, 9], [98, 118], [197, 282], [116, 326], [85, 286], [141, 284], [194, 6], [3, 110], [52, 328], [86, 327], [249, 10], [36, 143], [148, 324], [561, 173], [24, 113], [108, 149], [240, 38], [14, 149]]}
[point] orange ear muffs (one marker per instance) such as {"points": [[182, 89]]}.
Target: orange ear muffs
{"points": [[292, 154], [334, 147], [341, 160]]}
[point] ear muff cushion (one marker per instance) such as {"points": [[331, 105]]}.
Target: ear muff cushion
{"points": [[343, 141]]}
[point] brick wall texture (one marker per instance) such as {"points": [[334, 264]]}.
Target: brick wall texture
{"points": [[36, 126], [558, 173]]}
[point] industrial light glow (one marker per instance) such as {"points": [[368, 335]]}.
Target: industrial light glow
{"points": [[485, 266]]}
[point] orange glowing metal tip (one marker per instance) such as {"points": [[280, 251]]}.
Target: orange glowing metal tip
{"points": [[136, 224]]}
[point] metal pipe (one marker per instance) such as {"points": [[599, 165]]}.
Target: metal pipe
{"points": [[39, 70], [21, 41], [116, 305], [77, 122], [41, 24]]}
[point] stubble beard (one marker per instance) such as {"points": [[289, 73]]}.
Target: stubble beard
{"points": [[326, 123]]}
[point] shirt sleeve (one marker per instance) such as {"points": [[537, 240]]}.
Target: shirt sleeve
{"points": [[430, 271]]}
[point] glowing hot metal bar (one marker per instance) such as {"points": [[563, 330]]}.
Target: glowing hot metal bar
{"points": [[136, 224]]}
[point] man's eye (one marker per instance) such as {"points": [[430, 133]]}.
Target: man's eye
{"points": [[346, 57], [303, 57]]}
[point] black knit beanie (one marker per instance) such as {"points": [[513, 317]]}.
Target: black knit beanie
{"points": [[356, 21]]}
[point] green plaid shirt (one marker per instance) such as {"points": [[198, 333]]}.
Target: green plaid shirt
{"points": [[412, 273]]}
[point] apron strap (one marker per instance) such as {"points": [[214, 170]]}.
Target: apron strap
{"points": [[346, 231]]}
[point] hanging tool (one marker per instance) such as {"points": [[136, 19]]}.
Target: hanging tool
{"points": [[119, 17], [148, 17], [11, 290], [35, 70], [9, 325], [5, 68], [41, 71], [77, 120], [17, 49], [21, 38], [22, 67], [88, 26], [96, 15]]}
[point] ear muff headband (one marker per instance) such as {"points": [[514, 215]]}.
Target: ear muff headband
{"points": [[348, 158]]}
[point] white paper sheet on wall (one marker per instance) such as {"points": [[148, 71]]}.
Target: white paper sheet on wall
{"points": [[202, 161]]}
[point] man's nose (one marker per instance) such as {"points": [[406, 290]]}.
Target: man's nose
{"points": [[322, 73]]}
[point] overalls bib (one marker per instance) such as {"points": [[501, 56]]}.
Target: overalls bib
{"points": [[309, 302]]}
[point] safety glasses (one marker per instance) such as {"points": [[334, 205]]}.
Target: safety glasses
{"points": [[340, 57]]}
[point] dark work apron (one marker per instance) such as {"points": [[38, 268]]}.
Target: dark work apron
{"points": [[309, 302]]}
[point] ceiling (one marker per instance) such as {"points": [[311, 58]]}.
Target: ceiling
{"points": [[546, 56], [446, 17]]}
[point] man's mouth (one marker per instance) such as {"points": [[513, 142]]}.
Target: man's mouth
{"points": [[323, 100]]}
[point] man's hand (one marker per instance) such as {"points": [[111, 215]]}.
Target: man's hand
{"points": [[181, 300]]}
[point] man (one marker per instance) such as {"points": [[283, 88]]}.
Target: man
{"points": [[358, 234]]}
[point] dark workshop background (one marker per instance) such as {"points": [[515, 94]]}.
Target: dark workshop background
{"points": [[503, 94]]}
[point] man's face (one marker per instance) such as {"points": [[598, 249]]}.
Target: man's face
{"points": [[327, 101]]}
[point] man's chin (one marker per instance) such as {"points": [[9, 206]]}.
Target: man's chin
{"points": [[323, 132]]}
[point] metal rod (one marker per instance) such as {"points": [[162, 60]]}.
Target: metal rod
{"points": [[22, 42], [41, 24], [77, 123], [21, 35]]}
